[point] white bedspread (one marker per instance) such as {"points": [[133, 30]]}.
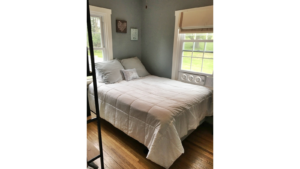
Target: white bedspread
{"points": [[155, 111]]}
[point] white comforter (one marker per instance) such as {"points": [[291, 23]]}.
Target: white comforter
{"points": [[155, 111]]}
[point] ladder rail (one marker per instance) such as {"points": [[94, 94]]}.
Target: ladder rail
{"points": [[95, 87]]}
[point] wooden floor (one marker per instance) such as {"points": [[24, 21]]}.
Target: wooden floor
{"points": [[122, 151]]}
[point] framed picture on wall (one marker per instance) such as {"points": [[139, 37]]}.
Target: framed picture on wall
{"points": [[121, 26], [134, 34]]}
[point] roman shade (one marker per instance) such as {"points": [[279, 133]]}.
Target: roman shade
{"points": [[198, 20]]}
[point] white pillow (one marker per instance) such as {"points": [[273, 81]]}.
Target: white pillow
{"points": [[130, 74], [98, 76], [135, 62], [110, 71]]}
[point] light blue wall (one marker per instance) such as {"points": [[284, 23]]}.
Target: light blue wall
{"points": [[129, 10], [158, 32], [155, 26]]}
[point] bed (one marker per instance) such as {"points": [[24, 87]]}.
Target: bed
{"points": [[158, 112]]}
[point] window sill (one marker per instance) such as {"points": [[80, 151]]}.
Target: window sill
{"points": [[89, 80], [196, 73]]}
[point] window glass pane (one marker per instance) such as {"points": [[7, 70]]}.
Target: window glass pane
{"points": [[201, 59], [184, 53], [188, 45], [98, 55], [189, 37], [196, 64], [208, 66], [186, 63], [199, 46], [95, 24], [208, 55], [96, 31], [201, 36], [197, 54], [209, 46], [210, 36], [97, 40]]}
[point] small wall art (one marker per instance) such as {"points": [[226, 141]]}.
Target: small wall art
{"points": [[121, 26], [134, 34]]}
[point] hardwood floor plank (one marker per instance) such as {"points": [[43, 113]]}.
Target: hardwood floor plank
{"points": [[199, 149], [132, 146], [106, 166], [200, 144], [123, 152], [197, 158], [108, 160], [119, 154]]}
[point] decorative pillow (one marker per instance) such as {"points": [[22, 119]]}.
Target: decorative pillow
{"points": [[110, 71], [135, 62], [130, 74], [98, 76]]}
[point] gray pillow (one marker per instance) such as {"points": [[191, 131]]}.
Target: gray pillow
{"points": [[130, 74], [135, 62], [110, 71]]}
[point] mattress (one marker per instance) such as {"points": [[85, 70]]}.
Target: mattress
{"points": [[155, 111]]}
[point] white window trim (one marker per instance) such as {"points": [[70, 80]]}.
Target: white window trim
{"points": [[176, 61], [106, 19]]}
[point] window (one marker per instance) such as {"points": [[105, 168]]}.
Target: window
{"points": [[101, 34], [197, 52], [193, 42], [98, 38]]}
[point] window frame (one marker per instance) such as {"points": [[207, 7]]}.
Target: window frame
{"points": [[176, 57], [106, 31], [103, 48], [182, 40]]}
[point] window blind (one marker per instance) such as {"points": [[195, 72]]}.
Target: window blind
{"points": [[199, 20]]}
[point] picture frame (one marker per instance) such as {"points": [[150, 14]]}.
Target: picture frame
{"points": [[121, 26], [134, 34]]}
